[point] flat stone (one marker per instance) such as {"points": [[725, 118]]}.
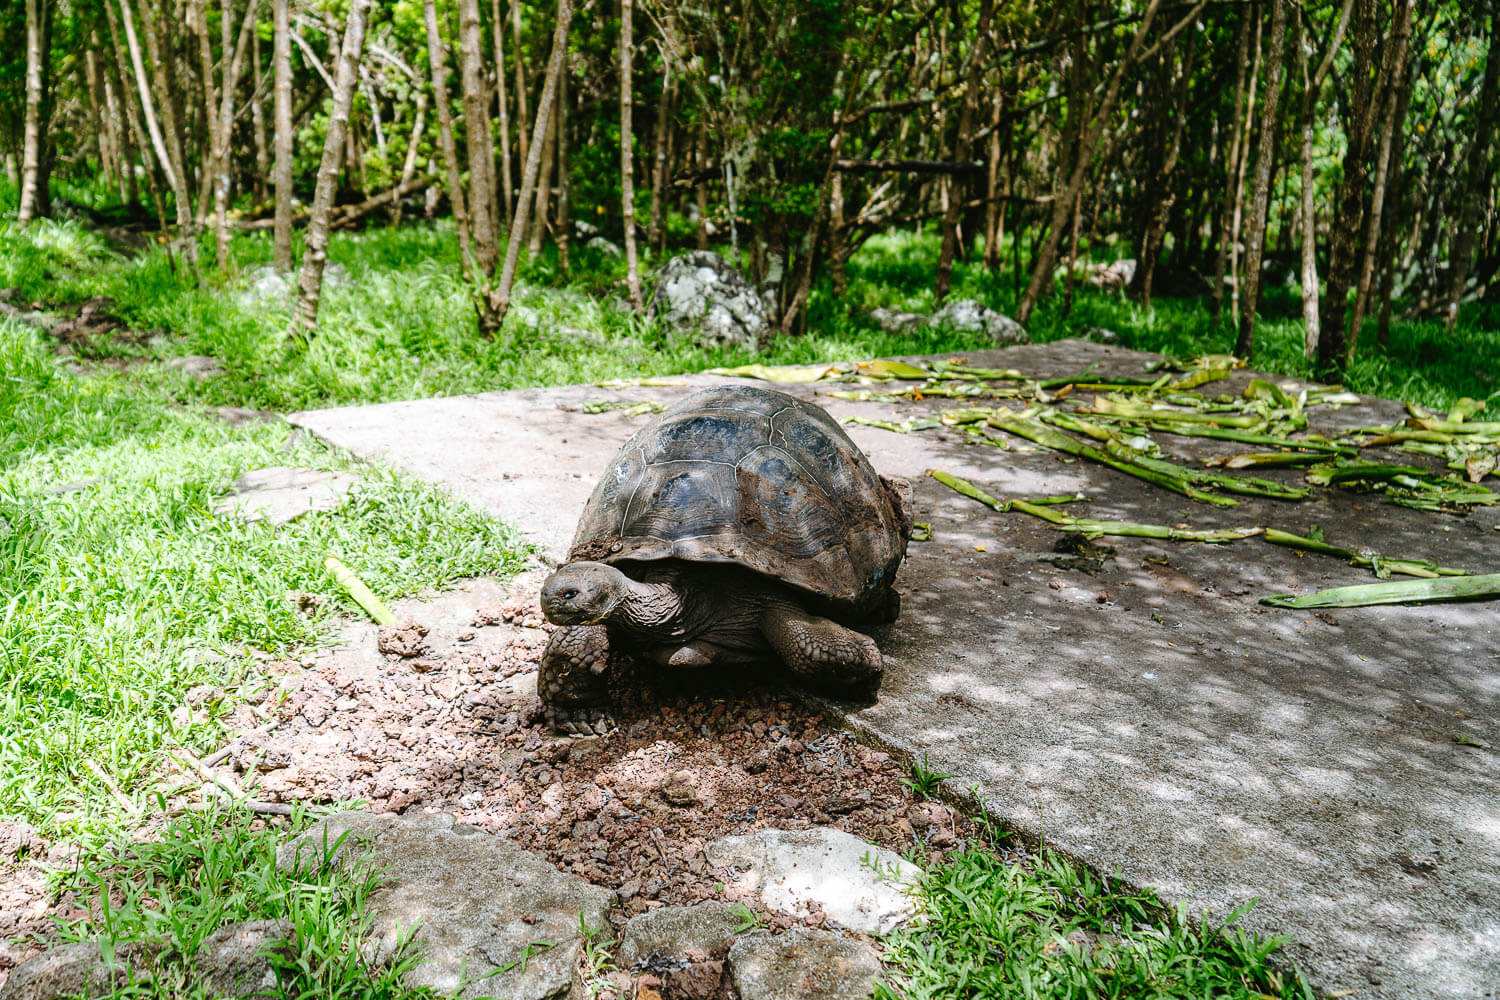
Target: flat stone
{"points": [[283, 493], [803, 965], [198, 366], [233, 960], [859, 885], [972, 316], [1153, 719], [481, 906], [897, 322], [604, 246], [74, 969], [238, 416], [673, 931]]}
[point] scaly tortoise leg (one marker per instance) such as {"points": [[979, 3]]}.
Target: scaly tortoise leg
{"points": [[822, 652], [570, 681]]}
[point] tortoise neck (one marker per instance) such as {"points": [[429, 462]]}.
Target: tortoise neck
{"points": [[650, 606]]}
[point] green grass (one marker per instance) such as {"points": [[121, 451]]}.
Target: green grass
{"points": [[118, 596], [1049, 930], [122, 590], [210, 869], [404, 326]]}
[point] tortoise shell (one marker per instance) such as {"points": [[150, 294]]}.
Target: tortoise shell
{"points": [[752, 477]]}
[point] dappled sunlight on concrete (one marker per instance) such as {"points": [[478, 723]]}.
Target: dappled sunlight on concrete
{"points": [[1152, 719]]}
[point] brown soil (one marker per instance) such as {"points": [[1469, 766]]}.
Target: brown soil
{"points": [[449, 730], [454, 727]]}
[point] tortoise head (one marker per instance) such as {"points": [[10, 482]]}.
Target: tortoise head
{"points": [[582, 593]]}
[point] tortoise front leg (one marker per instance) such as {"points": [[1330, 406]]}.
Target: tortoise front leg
{"points": [[570, 680], [822, 652]]}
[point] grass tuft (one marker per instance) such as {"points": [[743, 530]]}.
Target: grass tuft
{"points": [[158, 901], [1049, 930]]}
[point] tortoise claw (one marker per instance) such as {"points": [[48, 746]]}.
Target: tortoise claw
{"points": [[581, 720]]}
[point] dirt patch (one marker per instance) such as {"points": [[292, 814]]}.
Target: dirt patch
{"points": [[445, 719], [456, 727]]}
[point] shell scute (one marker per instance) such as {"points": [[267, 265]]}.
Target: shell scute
{"points": [[756, 478]]}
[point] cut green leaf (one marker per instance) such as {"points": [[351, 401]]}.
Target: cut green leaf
{"points": [[1449, 588]]}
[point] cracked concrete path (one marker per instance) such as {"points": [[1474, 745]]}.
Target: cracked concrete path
{"points": [[1152, 718]]}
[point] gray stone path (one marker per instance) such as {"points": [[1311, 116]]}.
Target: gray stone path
{"points": [[1153, 719]]}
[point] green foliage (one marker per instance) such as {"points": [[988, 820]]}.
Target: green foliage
{"points": [[924, 781], [215, 868], [123, 589], [1045, 928]]}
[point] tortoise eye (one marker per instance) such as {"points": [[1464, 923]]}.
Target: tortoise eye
{"points": [[569, 594]]}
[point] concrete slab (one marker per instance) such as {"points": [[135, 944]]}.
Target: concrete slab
{"points": [[1152, 719]]}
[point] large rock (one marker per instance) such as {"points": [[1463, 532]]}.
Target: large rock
{"points": [[858, 885], [77, 969], [485, 914], [675, 931], [701, 292], [803, 965], [266, 286], [972, 316], [282, 493], [235, 960]]}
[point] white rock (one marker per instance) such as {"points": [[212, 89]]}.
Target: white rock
{"points": [[972, 316], [859, 885], [700, 292], [282, 493]]}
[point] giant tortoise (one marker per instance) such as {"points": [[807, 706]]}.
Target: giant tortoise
{"points": [[740, 526]]}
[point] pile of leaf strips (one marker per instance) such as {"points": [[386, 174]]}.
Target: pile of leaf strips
{"points": [[1116, 430]]}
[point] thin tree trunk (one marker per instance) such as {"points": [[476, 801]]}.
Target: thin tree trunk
{"points": [[543, 188], [1311, 87], [283, 136], [1236, 227], [1265, 156], [627, 154], [564, 182], [477, 138], [198, 25], [31, 142], [221, 120], [1333, 340], [98, 121], [1231, 165], [992, 210], [702, 191], [838, 253], [174, 180], [164, 56], [1041, 273], [437, 66], [315, 241], [258, 123], [502, 102], [659, 160], [1476, 187], [521, 142], [1397, 69], [497, 301], [961, 152], [133, 137]]}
